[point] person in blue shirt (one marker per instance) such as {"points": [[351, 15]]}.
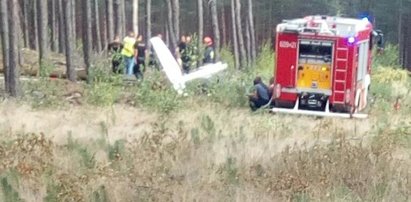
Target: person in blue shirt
{"points": [[260, 95]]}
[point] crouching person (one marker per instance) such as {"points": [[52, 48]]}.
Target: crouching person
{"points": [[260, 95]]}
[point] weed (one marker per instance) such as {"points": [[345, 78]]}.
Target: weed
{"points": [[207, 124], [116, 151], [100, 195], [230, 170], [52, 190], [10, 194], [195, 136], [300, 197], [87, 158]]}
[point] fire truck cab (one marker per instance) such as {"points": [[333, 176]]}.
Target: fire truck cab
{"points": [[323, 65]]}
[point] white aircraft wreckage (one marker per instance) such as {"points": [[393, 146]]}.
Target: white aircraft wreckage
{"points": [[173, 70]]}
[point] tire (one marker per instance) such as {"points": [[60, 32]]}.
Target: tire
{"points": [[284, 104]]}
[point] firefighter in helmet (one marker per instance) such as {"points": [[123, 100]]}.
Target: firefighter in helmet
{"points": [[209, 53]]}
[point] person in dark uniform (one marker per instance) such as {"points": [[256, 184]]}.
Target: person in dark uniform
{"points": [[140, 55], [209, 53], [114, 50], [184, 53], [260, 95]]}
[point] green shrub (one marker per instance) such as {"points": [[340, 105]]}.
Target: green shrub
{"points": [[46, 68], [265, 61], [227, 56], [105, 88], [157, 94], [230, 88], [44, 93], [103, 93], [9, 192], [389, 58]]}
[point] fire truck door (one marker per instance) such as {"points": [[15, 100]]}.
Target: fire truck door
{"points": [[314, 65], [286, 56]]}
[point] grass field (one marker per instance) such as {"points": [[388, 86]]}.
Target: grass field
{"points": [[107, 141]]}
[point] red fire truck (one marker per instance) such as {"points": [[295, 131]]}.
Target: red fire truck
{"points": [[323, 65]]}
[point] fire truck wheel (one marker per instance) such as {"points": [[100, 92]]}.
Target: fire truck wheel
{"points": [[284, 104], [342, 108], [349, 109]]}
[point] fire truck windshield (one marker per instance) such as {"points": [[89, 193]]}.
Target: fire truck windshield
{"points": [[315, 53]]}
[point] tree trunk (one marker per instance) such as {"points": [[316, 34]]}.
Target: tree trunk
{"points": [[135, 16], [123, 17], [407, 43], [26, 23], [54, 26], [252, 31], [170, 22], [148, 20], [176, 18], [235, 41], [74, 20], [167, 35], [240, 34], [216, 30], [5, 42], [248, 43], [19, 33], [62, 36], [223, 27], [402, 34], [110, 22], [35, 25], [87, 26], [14, 73], [200, 19], [97, 41], [117, 11], [103, 30], [43, 33], [69, 39]]}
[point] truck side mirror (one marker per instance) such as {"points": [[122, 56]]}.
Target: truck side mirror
{"points": [[380, 41]]}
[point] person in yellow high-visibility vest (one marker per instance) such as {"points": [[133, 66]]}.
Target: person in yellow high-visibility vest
{"points": [[128, 52]]}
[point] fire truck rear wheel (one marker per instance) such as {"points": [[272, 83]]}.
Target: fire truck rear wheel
{"points": [[284, 104]]}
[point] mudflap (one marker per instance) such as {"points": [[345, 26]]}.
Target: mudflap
{"points": [[326, 113]]}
